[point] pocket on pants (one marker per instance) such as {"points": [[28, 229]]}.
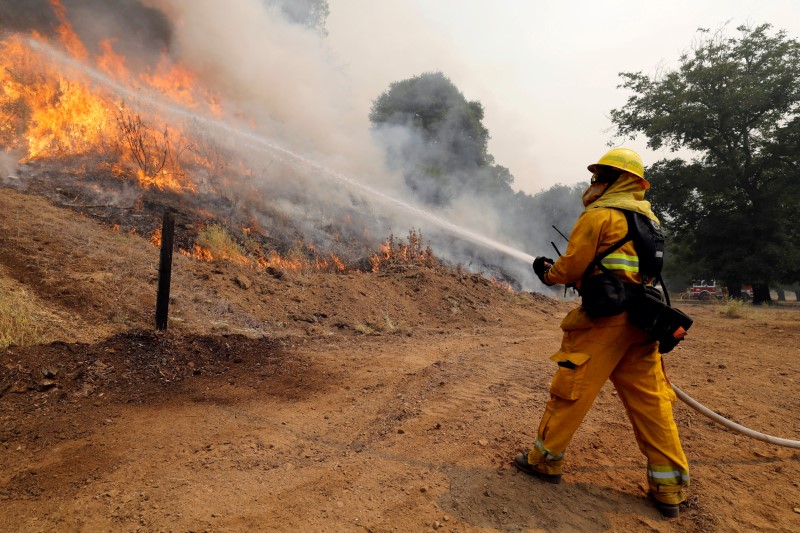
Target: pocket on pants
{"points": [[569, 379]]}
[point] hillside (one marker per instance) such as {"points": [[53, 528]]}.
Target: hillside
{"points": [[308, 401]]}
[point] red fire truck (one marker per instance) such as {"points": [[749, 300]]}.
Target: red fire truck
{"points": [[702, 289], [705, 290]]}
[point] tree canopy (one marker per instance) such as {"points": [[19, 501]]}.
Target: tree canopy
{"points": [[734, 102], [437, 138]]}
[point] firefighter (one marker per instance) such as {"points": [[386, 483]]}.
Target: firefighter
{"points": [[594, 350]]}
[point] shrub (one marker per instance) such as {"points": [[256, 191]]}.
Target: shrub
{"points": [[398, 255], [219, 244], [734, 309]]}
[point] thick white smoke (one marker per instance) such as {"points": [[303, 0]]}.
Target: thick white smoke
{"points": [[281, 75], [293, 115], [8, 168]]}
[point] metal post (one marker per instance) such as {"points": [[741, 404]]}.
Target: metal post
{"points": [[165, 270]]}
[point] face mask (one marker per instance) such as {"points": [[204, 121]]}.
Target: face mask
{"points": [[594, 192]]}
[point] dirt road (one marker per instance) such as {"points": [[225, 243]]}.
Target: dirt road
{"points": [[376, 402]]}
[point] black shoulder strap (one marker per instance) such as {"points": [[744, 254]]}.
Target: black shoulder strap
{"points": [[597, 262], [629, 217]]}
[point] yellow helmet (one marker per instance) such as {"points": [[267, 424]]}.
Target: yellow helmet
{"points": [[623, 159]]}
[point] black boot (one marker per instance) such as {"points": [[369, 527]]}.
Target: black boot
{"points": [[667, 510], [521, 462]]}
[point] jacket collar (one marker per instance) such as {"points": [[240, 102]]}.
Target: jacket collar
{"points": [[626, 193]]}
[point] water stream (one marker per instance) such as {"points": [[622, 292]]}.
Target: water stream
{"points": [[260, 142]]}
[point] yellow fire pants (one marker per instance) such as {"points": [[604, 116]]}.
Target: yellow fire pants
{"points": [[592, 351]]}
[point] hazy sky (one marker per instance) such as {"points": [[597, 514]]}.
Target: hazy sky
{"points": [[546, 73]]}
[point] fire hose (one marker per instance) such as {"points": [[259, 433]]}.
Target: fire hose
{"points": [[702, 409]]}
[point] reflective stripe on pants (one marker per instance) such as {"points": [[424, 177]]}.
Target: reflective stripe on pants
{"points": [[624, 354]]}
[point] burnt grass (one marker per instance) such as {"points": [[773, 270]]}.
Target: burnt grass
{"points": [[82, 185], [53, 381]]}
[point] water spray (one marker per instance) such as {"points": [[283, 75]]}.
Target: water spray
{"points": [[261, 143]]}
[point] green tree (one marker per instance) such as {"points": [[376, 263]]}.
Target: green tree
{"points": [[310, 13], [734, 102], [437, 138]]}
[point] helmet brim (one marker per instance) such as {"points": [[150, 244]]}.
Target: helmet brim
{"points": [[594, 166]]}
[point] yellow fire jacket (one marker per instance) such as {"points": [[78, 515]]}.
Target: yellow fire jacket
{"points": [[598, 228]]}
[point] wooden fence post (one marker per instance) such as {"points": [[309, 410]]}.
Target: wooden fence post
{"points": [[165, 269]]}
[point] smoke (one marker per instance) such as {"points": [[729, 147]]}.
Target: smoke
{"points": [[286, 80], [280, 75], [278, 78], [137, 31], [8, 169]]}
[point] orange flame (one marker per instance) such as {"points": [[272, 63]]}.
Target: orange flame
{"points": [[172, 80], [398, 254], [200, 253], [294, 262], [155, 238], [505, 286], [110, 62], [381, 257], [47, 111], [66, 34]]}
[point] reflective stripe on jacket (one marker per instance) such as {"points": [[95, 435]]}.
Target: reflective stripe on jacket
{"points": [[598, 228], [617, 261]]}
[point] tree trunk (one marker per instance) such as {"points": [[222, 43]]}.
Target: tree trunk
{"points": [[734, 289], [781, 294], [761, 294]]}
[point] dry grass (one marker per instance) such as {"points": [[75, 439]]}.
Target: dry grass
{"points": [[396, 254], [19, 325], [772, 315], [387, 326], [220, 244], [735, 309]]}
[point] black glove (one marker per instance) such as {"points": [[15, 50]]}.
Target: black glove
{"points": [[542, 265]]}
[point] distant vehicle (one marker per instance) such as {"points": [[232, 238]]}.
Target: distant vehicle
{"points": [[705, 290], [702, 289], [747, 292]]}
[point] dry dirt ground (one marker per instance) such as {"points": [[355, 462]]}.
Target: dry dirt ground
{"points": [[391, 401]]}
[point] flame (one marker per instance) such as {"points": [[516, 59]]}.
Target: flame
{"points": [[205, 254], [295, 261], [155, 238], [382, 257], [43, 113], [66, 34], [51, 111], [502, 285], [398, 254], [198, 252], [110, 62], [48, 111], [181, 85]]}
